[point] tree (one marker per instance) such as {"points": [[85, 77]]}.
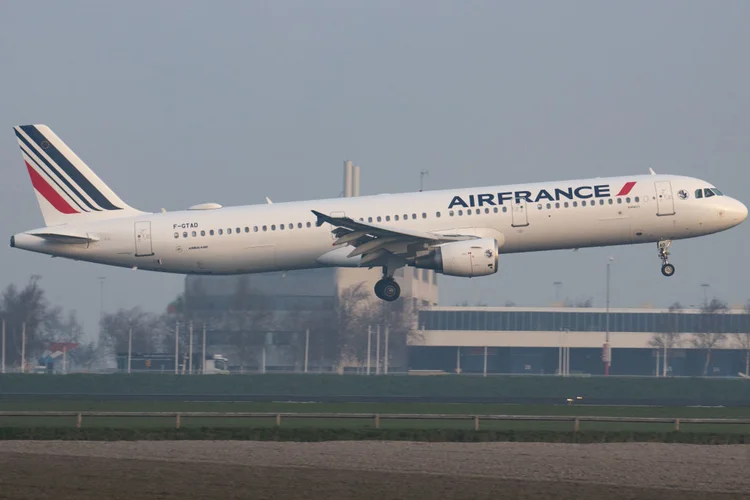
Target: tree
{"points": [[669, 335], [148, 331], [711, 325], [28, 307]]}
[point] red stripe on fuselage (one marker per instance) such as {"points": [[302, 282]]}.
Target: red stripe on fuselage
{"points": [[49, 194], [626, 188]]}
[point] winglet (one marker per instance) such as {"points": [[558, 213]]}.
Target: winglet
{"points": [[651, 170]]}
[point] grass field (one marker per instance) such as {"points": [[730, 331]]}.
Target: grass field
{"points": [[372, 408]]}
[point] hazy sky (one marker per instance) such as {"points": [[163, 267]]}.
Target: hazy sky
{"points": [[181, 102]]}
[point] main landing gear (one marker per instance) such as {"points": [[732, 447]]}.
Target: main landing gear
{"points": [[667, 269], [387, 288]]}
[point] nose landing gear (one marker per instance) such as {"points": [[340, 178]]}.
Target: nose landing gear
{"points": [[667, 269]]}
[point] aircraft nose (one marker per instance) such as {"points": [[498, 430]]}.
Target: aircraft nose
{"points": [[736, 211]]}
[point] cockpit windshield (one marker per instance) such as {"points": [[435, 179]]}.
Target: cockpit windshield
{"points": [[707, 192]]}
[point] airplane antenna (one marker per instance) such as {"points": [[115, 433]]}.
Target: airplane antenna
{"points": [[422, 175]]}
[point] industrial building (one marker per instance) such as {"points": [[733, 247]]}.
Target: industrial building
{"points": [[548, 340]]}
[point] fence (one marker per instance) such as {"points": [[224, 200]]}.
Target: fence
{"points": [[376, 418]]}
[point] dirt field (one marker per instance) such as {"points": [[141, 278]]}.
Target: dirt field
{"points": [[348, 470]]}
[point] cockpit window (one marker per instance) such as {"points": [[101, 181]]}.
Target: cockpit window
{"points": [[708, 193], [717, 192], [699, 193]]}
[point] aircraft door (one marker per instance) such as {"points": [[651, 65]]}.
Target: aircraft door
{"points": [[519, 213], [143, 245], [664, 198]]}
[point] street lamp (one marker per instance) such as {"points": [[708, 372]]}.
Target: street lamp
{"points": [[606, 354], [705, 294]]}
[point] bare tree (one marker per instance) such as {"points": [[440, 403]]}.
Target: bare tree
{"points": [[29, 307], [669, 336], [711, 333], [148, 332]]}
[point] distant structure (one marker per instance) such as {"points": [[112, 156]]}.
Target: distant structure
{"points": [[307, 289]]}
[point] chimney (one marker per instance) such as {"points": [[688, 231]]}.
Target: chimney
{"points": [[355, 181], [348, 178]]}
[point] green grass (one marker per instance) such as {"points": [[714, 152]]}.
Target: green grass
{"points": [[372, 408]]}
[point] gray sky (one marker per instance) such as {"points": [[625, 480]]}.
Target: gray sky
{"points": [[176, 103]]}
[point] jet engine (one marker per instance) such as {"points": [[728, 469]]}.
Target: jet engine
{"points": [[460, 258]]}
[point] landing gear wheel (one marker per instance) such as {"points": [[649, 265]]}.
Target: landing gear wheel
{"points": [[387, 289], [667, 269]]}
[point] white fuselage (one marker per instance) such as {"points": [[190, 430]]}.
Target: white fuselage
{"points": [[284, 236]]}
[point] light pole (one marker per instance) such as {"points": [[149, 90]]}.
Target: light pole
{"points": [[606, 354], [705, 294]]}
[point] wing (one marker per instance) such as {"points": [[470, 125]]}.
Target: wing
{"points": [[375, 242]]}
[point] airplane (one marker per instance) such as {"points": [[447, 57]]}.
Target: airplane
{"points": [[456, 232]]}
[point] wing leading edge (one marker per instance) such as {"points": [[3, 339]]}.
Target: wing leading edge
{"points": [[377, 244]]}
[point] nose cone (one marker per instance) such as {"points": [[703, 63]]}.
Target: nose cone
{"points": [[735, 211]]}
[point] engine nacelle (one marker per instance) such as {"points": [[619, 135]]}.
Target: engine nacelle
{"points": [[461, 258]]}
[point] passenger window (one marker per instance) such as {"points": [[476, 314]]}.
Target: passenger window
{"points": [[281, 227], [229, 230], [557, 205], [567, 204], [221, 231], [395, 217], [699, 193], [601, 202], [505, 209], [237, 230], [273, 227], [406, 216], [291, 226], [299, 225], [468, 212], [437, 214], [637, 199], [424, 215], [265, 228], [308, 224], [211, 232], [255, 228], [610, 201], [460, 212], [379, 218], [195, 233], [184, 235], [486, 210], [388, 218], [176, 235], [583, 203], [413, 216], [494, 209], [619, 201], [539, 206], [627, 199], [575, 203], [247, 229], [549, 205], [451, 213], [369, 219]]}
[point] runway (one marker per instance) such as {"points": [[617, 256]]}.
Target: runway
{"points": [[371, 470]]}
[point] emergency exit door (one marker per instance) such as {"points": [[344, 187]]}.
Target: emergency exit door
{"points": [[143, 246], [664, 198], [519, 213]]}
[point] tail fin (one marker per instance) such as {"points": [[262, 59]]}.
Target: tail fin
{"points": [[66, 188]]}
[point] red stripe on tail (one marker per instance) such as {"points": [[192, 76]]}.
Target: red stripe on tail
{"points": [[626, 188], [49, 194]]}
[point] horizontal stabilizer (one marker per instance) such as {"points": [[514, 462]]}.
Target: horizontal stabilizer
{"points": [[66, 238]]}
